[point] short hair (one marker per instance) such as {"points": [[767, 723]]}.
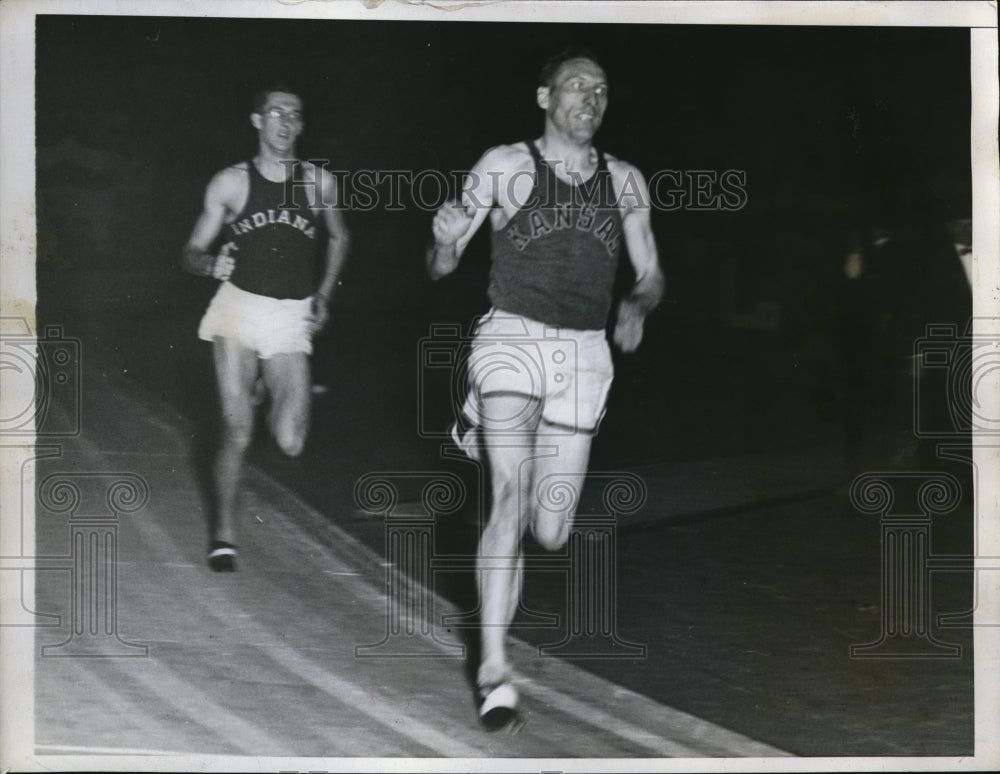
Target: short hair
{"points": [[553, 63], [260, 97]]}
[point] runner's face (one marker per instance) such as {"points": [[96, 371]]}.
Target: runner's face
{"points": [[280, 122], [577, 98]]}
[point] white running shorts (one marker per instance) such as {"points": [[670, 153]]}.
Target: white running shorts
{"points": [[268, 325], [568, 371]]}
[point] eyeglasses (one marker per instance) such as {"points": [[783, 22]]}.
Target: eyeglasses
{"points": [[292, 115]]}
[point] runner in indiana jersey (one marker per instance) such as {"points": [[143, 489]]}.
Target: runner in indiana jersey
{"points": [[276, 215]]}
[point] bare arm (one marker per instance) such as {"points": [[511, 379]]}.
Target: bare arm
{"points": [[337, 244], [456, 222], [194, 257], [647, 291]]}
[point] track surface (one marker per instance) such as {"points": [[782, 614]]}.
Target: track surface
{"points": [[262, 662]]}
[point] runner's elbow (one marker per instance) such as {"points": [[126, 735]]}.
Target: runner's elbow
{"points": [[186, 260], [438, 265], [435, 271], [194, 261]]}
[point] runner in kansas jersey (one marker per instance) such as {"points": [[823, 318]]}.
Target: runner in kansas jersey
{"points": [[555, 259], [540, 366]]}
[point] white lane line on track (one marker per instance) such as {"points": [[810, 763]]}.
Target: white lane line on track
{"points": [[712, 739], [649, 737], [715, 740], [590, 713], [184, 696], [386, 713], [87, 676]]}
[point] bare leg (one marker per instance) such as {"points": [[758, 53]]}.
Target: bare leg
{"points": [[288, 380], [558, 482], [236, 370], [500, 561]]}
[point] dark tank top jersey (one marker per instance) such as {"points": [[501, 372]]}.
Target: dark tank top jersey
{"points": [[276, 245], [556, 258]]}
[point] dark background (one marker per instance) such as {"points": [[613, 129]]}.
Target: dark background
{"points": [[838, 130]]}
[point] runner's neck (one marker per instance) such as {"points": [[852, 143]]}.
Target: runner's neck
{"points": [[272, 167], [570, 156]]}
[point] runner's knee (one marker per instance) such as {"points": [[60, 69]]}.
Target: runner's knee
{"points": [[289, 427], [291, 442], [557, 498], [551, 533]]}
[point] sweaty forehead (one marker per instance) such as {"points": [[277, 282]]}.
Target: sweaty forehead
{"points": [[283, 99], [577, 67]]}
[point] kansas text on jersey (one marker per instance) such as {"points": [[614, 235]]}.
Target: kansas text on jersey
{"points": [[555, 259]]}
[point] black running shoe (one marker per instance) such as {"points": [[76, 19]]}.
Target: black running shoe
{"points": [[222, 556]]}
